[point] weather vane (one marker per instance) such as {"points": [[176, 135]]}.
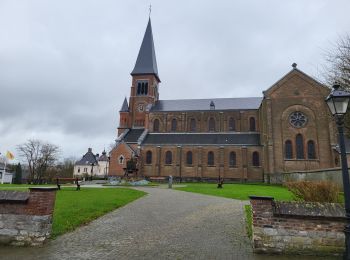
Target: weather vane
{"points": [[150, 10]]}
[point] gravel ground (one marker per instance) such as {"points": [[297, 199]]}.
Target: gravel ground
{"points": [[165, 224]]}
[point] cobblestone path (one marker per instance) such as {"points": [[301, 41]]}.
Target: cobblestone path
{"points": [[165, 224]]}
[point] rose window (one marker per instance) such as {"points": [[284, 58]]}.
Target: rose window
{"points": [[297, 119]]}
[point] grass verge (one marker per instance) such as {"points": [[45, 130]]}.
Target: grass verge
{"points": [[249, 220], [239, 191], [76, 208]]}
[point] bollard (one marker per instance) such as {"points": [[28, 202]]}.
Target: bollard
{"points": [[170, 183]]}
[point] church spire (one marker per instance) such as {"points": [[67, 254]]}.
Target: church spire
{"points": [[125, 107], [146, 62]]}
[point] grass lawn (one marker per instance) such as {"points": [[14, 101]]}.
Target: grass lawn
{"points": [[239, 191], [23, 186], [248, 220], [75, 208]]}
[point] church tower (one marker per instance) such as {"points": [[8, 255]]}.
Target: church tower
{"points": [[144, 86]]}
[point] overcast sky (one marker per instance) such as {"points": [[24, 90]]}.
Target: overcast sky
{"points": [[65, 65]]}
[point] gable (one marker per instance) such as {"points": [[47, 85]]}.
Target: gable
{"points": [[297, 83], [123, 148]]}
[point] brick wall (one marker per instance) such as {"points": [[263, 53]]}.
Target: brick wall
{"points": [[26, 217], [297, 228], [243, 170]]}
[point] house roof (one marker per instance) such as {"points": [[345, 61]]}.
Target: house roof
{"points": [[202, 139], [146, 62], [133, 135], [204, 104], [103, 157], [87, 159]]}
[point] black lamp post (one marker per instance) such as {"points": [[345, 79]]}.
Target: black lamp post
{"points": [[92, 169], [109, 161], [337, 102]]}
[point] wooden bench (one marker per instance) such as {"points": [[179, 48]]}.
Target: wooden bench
{"points": [[75, 180], [158, 179]]}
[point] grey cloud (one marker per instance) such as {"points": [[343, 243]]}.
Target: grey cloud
{"points": [[65, 65]]}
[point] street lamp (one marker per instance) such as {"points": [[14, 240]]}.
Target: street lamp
{"points": [[338, 101], [92, 169], [107, 166]]}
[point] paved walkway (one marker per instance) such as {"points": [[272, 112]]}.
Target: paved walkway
{"points": [[165, 224]]}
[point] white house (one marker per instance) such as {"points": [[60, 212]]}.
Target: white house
{"points": [[5, 177], [92, 165]]}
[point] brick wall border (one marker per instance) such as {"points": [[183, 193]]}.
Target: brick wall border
{"points": [[297, 228]]}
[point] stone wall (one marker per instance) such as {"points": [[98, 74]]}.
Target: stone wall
{"points": [[333, 175], [26, 217], [297, 228]]}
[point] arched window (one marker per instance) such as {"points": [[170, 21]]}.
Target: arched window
{"points": [[210, 158], [189, 158], [311, 151], [232, 158], [142, 88], [252, 124], [168, 157], [288, 149], [231, 124], [300, 146], [149, 157], [173, 125], [211, 125], [193, 125], [121, 159], [255, 159], [156, 125]]}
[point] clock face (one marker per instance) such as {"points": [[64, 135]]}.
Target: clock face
{"points": [[140, 107]]}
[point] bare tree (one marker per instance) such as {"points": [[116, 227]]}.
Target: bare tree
{"points": [[40, 156], [337, 68]]}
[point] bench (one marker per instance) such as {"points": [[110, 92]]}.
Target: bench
{"points": [[75, 180], [158, 179]]}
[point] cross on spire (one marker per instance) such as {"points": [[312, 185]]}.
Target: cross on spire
{"points": [[150, 10]]}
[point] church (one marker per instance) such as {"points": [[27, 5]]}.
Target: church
{"points": [[288, 128]]}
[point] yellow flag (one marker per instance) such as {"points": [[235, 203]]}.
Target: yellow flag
{"points": [[9, 155]]}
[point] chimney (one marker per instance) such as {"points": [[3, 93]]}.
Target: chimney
{"points": [[90, 150]]}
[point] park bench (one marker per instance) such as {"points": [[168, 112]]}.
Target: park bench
{"points": [[75, 180], [158, 179]]}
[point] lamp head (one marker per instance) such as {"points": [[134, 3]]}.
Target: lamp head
{"points": [[338, 101]]}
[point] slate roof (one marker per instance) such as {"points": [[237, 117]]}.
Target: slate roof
{"points": [[125, 107], [146, 62], [202, 139], [204, 104], [103, 157], [87, 158], [133, 135]]}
